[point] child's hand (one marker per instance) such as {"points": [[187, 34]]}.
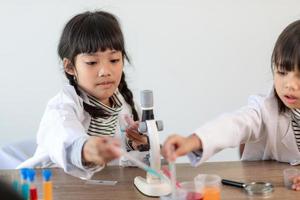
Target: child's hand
{"points": [[296, 183], [133, 134], [100, 150], [176, 146]]}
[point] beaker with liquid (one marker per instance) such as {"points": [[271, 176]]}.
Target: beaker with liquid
{"points": [[210, 185]]}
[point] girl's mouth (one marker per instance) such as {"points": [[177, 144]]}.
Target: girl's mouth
{"points": [[290, 99], [106, 84]]}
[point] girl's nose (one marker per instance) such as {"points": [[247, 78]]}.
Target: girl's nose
{"points": [[292, 84], [104, 71]]}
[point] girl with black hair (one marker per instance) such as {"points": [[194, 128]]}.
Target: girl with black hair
{"points": [[78, 129], [269, 126]]}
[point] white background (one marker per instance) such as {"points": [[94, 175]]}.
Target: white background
{"points": [[201, 58]]}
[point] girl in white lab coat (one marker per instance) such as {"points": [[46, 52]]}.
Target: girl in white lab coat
{"points": [[78, 129], [269, 126]]}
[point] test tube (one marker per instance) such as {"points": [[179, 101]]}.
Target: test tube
{"points": [[123, 125], [172, 169], [142, 165], [24, 183], [15, 182], [33, 189], [167, 172], [47, 184], [138, 163]]}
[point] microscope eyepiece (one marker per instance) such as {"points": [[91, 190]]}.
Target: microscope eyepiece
{"points": [[147, 105], [147, 99]]}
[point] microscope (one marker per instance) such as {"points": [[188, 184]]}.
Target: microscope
{"points": [[151, 185]]}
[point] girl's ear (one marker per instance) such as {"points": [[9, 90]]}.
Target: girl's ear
{"points": [[68, 66]]}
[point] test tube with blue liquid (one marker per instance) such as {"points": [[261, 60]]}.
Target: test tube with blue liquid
{"points": [[143, 166], [123, 124], [15, 182], [24, 183]]}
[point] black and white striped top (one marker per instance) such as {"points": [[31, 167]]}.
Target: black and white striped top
{"points": [[105, 125], [296, 125]]}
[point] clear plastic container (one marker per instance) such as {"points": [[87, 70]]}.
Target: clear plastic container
{"points": [[210, 185], [187, 191]]}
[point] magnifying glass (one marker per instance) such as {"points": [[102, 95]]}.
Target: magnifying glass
{"points": [[253, 188]]}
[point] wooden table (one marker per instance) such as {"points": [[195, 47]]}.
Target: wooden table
{"points": [[67, 187]]}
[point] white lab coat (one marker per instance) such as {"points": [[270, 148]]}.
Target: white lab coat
{"points": [[268, 135], [63, 122]]}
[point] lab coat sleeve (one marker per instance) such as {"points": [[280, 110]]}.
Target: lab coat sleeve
{"points": [[230, 130], [60, 128], [74, 156]]}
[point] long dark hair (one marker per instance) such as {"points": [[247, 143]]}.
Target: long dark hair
{"points": [[90, 32], [286, 54]]}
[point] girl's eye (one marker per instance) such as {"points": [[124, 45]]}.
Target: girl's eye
{"points": [[282, 73], [115, 60], [91, 63]]}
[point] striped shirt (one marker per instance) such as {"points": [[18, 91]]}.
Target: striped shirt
{"points": [[296, 125], [105, 125]]}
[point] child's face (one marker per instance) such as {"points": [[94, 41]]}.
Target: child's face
{"points": [[99, 73], [287, 85]]}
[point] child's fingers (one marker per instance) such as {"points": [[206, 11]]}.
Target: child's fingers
{"points": [[136, 137], [110, 147], [169, 146], [296, 187], [132, 130], [181, 145], [133, 136], [181, 150], [114, 152], [99, 149], [296, 183], [99, 160], [166, 147], [111, 151], [129, 120], [109, 141], [296, 180], [133, 127]]}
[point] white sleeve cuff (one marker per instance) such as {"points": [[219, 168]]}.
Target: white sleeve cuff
{"points": [[74, 158], [74, 151], [195, 157]]}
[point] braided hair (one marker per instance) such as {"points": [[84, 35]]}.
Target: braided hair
{"points": [[90, 32]]}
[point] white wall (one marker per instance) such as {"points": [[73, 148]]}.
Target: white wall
{"points": [[201, 58]]}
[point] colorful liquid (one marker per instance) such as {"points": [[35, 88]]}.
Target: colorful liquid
{"points": [[154, 172], [47, 190], [25, 190], [15, 185], [33, 194], [194, 196], [212, 193]]}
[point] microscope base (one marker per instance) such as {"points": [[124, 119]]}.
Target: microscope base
{"points": [[151, 189]]}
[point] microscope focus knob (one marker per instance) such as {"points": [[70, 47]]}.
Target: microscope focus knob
{"points": [[142, 127], [159, 125]]}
